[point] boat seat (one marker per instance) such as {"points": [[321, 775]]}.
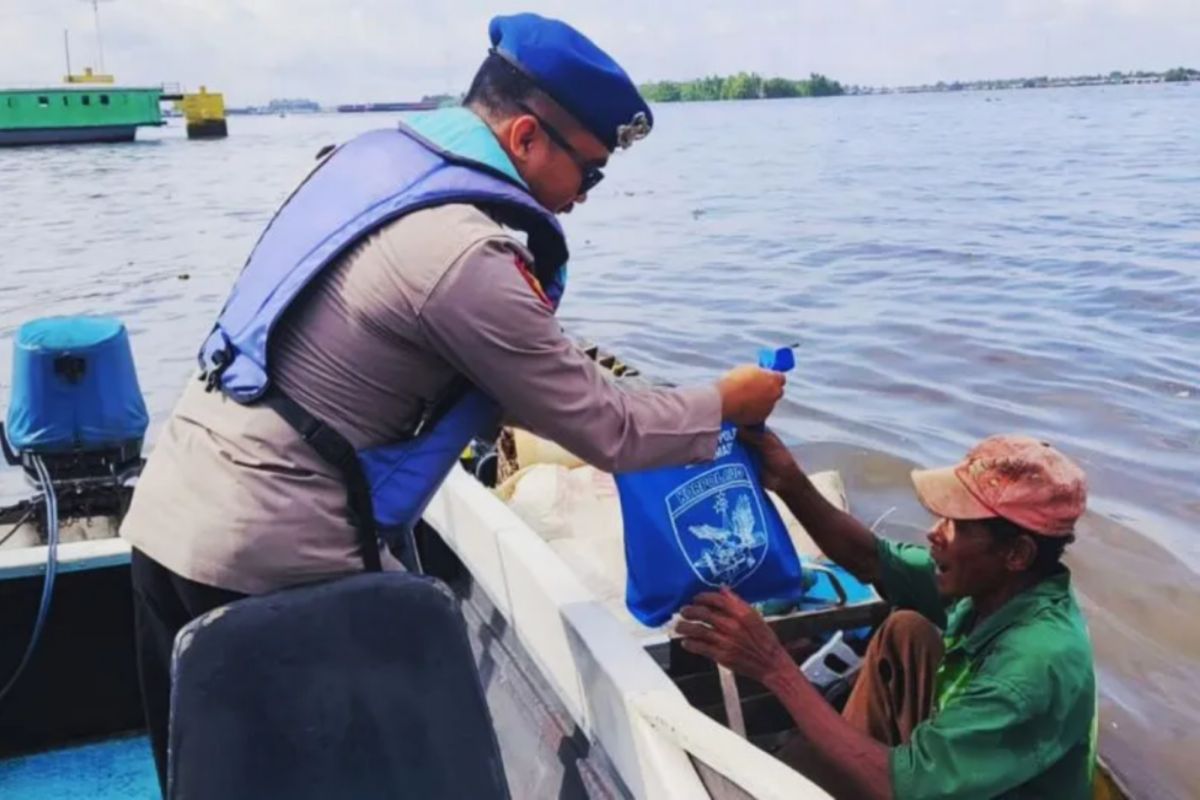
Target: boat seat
{"points": [[364, 687]]}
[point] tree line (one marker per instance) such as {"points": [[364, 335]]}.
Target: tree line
{"points": [[742, 86]]}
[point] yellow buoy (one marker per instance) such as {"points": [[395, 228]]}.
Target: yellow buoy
{"points": [[204, 112]]}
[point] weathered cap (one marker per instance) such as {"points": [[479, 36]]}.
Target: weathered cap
{"points": [[1019, 478], [580, 76]]}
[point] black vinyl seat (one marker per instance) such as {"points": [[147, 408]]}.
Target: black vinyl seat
{"points": [[360, 688]]}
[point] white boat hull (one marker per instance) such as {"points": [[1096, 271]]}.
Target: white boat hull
{"points": [[613, 690]]}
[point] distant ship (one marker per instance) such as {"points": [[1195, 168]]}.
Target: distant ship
{"points": [[360, 108]]}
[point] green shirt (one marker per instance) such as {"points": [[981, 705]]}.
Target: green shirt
{"points": [[1015, 707]]}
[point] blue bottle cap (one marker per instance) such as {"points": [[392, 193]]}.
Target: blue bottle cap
{"points": [[780, 359]]}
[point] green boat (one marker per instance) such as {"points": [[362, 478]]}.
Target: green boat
{"points": [[88, 107], [94, 112]]}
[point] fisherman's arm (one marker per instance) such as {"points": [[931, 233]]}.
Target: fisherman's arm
{"points": [[841, 537], [826, 748], [487, 321], [903, 573]]}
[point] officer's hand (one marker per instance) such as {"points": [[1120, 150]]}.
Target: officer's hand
{"points": [[777, 466], [749, 394]]}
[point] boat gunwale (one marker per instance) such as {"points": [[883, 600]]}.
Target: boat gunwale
{"points": [[617, 693], [23, 562]]}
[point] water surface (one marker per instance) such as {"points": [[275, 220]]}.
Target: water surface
{"points": [[953, 265]]}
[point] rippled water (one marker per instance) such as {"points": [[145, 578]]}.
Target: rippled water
{"points": [[952, 265]]}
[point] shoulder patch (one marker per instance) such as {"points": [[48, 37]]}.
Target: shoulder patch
{"points": [[531, 279]]}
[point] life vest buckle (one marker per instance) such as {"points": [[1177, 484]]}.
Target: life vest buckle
{"points": [[221, 359]]}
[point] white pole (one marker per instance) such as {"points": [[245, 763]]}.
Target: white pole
{"points": [[733, 701], [67, 47], [99, 37]]}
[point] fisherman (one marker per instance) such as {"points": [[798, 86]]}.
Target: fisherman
{"points": [[980, 684], [398, 304]]}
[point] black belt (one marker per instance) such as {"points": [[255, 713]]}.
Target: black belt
{"points": [[333, 447]]}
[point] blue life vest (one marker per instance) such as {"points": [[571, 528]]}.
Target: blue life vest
{"points": [[446, 157]]}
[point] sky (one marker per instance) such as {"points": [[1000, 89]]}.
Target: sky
{"points": [[377, 50]]}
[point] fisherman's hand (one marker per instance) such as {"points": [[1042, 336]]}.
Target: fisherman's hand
{"points": [[749, 394], [777, 466], [723, 627]]}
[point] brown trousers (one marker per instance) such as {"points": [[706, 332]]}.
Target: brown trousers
{"points": [[894, 690]]}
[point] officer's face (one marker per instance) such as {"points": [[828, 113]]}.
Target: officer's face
{"points": [[559, 160]]}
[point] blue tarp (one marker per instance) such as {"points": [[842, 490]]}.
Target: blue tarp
{"points": [[118, 769]]}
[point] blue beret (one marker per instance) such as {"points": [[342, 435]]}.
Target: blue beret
{"points": [[580, 76]]}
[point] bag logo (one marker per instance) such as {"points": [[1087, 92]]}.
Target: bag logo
{"points": [[719, 524]]}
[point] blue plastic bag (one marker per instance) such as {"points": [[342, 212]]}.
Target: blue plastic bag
{"points": [[695, 528]]}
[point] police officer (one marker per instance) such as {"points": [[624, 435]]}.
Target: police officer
{"points": [[400, 301]]}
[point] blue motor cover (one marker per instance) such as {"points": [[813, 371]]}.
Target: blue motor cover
{"points": [[74, 387]]}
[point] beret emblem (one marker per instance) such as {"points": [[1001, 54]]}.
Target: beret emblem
{"points": [[637, 128]]}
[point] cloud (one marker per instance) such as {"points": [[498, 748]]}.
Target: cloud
{"points": [[397, 49]]}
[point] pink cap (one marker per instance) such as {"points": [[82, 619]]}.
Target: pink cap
{"points": [[1020, 478]]}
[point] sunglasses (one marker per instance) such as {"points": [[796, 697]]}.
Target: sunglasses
{"points": [[589, 174]]}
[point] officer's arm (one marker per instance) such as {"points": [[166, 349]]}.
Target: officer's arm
{"points": [[489, 324]]}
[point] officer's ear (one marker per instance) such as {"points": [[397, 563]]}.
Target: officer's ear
{"points": [[522, 137]]}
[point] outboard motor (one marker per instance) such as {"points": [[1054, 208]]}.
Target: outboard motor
{"points": [[75, 405], [76, 421]]}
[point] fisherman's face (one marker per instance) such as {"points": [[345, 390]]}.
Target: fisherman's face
{"points": [[554, 154], [968, 562]]}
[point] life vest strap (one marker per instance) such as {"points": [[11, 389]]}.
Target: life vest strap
{"points": [[338, 452]]}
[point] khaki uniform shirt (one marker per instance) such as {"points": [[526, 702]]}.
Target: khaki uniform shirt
{"points": [[231, 497]]}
